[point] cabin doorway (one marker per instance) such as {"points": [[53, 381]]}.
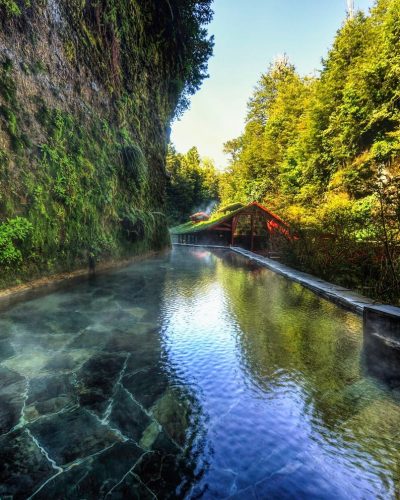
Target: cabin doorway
{"points": [[250, 231]]}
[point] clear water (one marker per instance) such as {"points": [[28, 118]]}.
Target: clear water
{"points": [[196, 375]]}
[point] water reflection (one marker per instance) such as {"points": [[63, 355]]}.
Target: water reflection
{"points": [[197, 375], [287, 408]]}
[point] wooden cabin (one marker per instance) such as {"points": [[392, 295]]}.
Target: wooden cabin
{"points": [[252, 226]]}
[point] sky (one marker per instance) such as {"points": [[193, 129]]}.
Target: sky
{"points": [[249, 34]]}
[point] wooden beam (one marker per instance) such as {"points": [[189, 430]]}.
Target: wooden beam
{"points": [[220, 228], [233, 229], [252, 232]]}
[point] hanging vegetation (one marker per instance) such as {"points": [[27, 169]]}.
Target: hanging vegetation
{"points": [[87, 93]]}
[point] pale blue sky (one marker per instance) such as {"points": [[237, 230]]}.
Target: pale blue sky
{"points": [[249, 34]]}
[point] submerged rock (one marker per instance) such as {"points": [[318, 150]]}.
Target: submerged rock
{"points": [[29, 364], [72, 435], [48, 395], [128, 416], [131, 487], [23, 467], [90, 338], [97, 379], [12, 389], [6, 350], [95, 477], [150, 435], [146, 386], [161, 473], [172, 411]]}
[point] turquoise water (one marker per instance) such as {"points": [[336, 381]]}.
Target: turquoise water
{"points": [[198, 375]]}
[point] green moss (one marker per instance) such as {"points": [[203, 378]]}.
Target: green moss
{"points": [[10, 7], [89, 181], [89, 178], [7, 84], [13, 8], [194, 227], [70, 51], [10, 110], [38, 67], [11, 120], [230, 208], [11, 123]]}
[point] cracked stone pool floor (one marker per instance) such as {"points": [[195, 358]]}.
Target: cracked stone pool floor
{"points": [[197, 374], [83, 395]]}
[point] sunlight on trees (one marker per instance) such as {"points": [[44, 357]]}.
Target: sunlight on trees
{"points": [[314, 148]]}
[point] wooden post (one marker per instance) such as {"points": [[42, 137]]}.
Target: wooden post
{"points": [[252, 232], [233, 229]]}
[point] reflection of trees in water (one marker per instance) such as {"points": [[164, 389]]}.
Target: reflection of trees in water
{"points": [[287, 327], [191, 268], [237, 261], [381, 350], [191, 272], [290, 335]]}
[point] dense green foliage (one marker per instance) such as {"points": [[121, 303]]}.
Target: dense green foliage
{"points": [[87, 93], [124, 41], [11, 233], [324, 152], [192, 185], [11, 7]]}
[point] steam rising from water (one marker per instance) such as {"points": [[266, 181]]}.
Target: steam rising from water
{"points": [[206, 208]]}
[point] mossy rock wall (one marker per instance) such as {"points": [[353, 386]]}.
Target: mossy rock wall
{"points": [[87, 93]]}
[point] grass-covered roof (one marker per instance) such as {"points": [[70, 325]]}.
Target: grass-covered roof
{"points": [[222, 215], [194, 227]]}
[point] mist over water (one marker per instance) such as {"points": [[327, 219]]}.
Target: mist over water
{"points": [[197, 375]]}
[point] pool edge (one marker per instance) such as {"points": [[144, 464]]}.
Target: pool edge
{"points": [[334, 293], [55, 282]]}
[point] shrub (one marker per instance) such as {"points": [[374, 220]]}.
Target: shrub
{"points": [[13, 232]]}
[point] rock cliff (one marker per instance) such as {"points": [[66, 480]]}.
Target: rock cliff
{"points": [[88, 89]]}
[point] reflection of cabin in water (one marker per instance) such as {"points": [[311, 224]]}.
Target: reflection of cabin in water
{"points": [[252, 226]]}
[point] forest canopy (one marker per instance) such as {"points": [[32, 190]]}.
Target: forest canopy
{"points": [[324, 152], [319, 143], [192, 185]]}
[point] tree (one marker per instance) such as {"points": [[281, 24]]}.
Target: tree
{"points": [[313, 148], [192, 184]]}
